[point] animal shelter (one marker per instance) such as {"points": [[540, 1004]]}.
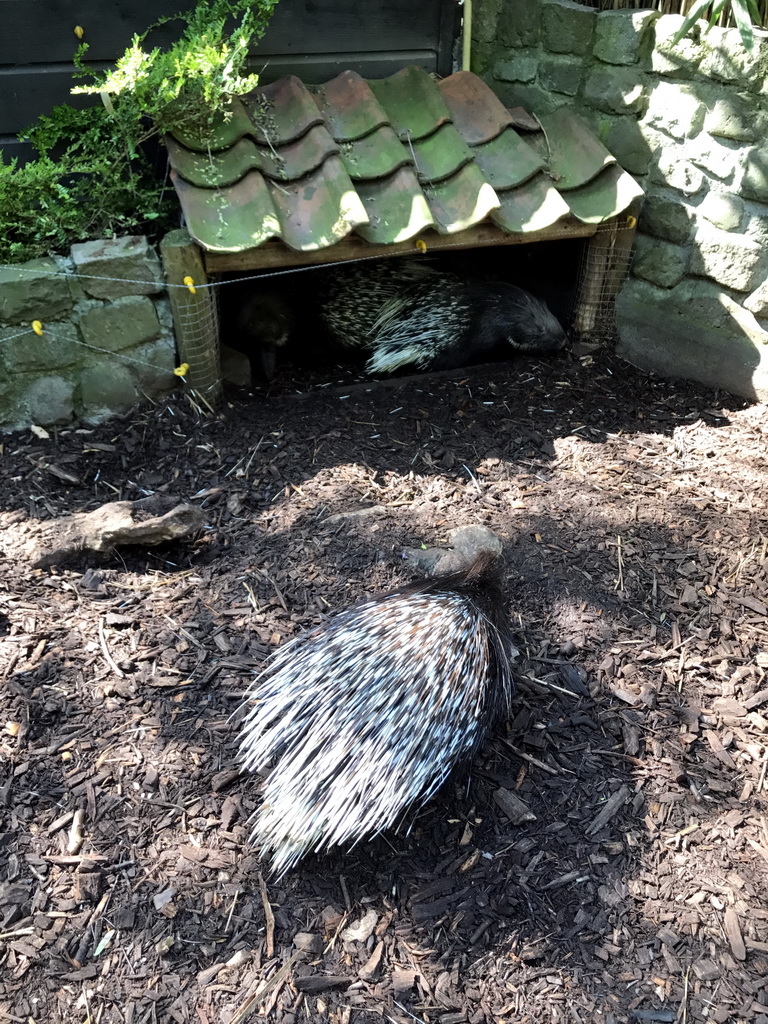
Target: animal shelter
{"points": [[356, 169]]}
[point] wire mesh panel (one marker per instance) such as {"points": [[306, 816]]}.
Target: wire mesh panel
{"points": [[605, 265]]}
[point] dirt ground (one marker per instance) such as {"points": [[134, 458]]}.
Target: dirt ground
{"points": [[633, 512]]}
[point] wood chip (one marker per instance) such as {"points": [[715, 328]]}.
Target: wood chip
{"points": [[515, 809], [733, 932], [612, 805]]}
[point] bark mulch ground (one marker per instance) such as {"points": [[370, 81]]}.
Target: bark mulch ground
{"points": [[634, 887]]}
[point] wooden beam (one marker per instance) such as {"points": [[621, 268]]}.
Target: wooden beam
{"points": [[275, 253]]}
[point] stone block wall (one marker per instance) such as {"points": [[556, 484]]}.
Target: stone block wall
{"points": [[106, 341], [690, 122]]}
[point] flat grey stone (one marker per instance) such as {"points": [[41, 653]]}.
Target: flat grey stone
{"points": [[723, 210], [561, 74], [120, 324], [666, 216], [58, 347], [754, 184], [616, 90], [626, 141], [661, 263], [519, 23], [694, 331], [623, 37], [35, 290], [153, 365], [736, 117], [520, 67], [106, 387], [730, 259], [568, 27], [110, 268], [49, 400], [675, 109]]}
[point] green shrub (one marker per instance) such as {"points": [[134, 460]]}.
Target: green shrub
{"points": [[92, 177]]}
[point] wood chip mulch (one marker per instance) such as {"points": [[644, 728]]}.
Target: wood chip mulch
{"points": [[605, 860]]}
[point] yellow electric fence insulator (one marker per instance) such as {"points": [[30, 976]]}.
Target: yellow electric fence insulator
{"points": [[182, 371], [189, 282], [421, 245], [631, 222], [79, 31], [37, 327]]}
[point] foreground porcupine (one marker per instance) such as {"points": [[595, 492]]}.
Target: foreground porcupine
{"points": [[366, 715]]}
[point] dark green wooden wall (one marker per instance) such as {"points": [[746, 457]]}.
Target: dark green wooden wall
{"points": [[314, 39]]}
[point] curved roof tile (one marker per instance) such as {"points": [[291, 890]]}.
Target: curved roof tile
{"points": [[388, 159]]}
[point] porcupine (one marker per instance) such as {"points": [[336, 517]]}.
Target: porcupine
{"points": [[351, 296], [258, 322], [436, 320], [364, 717]]}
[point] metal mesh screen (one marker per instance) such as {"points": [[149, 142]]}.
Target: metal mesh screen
{"points": [[604, 267]]}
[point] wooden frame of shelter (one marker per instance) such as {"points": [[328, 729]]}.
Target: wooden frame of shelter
{"points": [[608, 246]]}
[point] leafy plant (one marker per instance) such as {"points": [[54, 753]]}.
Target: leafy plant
{"points": [[93, 176], [745, 13]]}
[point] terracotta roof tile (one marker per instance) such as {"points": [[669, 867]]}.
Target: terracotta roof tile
{"points": [[388, 159]]}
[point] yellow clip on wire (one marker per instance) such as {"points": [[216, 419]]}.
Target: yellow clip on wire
{"points": [[182, 371], [37, 327], [79, 31], [421, 244], [189, 282]]}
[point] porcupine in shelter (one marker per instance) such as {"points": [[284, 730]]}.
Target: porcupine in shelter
{"points": [[434, 320], [366, 715]]}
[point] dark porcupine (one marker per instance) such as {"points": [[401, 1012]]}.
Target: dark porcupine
{"points": [[439, 324], [366, 715], [258, 322], [351, 297]]}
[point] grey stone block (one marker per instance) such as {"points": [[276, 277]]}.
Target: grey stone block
{"points": [[735, 117], [757, 302], [521, 67], [722, 210], [33, 291], [694, 331], [726, 60], [757, 223], [731, 260], [153, 365], [567, 27], [674, 171], [561, 74], [616, 90], [128, 321], [48, 400], [106, 388], [718, 158], [58, 347], [520, 23], [661, 263], [675, 109], [626, 141], [110, 268], [754, 184], [623, 37], [675, 60], [485, 22], [667, 217]]}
